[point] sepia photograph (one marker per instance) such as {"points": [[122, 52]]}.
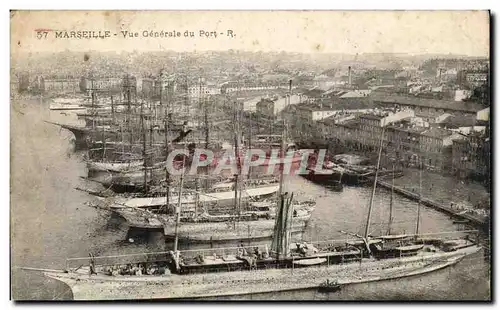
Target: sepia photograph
{"points": [[266, 155]]}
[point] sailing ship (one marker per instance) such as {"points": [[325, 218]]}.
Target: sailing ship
{"points": [[200, 222], [239, 271], [67, 104]]}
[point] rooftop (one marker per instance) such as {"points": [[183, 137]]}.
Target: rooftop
{"points": [[372, 116], [352, 123], [437, 132], [457, 121], [406, 126], [423, 102], [337, 104], [315, 92]]}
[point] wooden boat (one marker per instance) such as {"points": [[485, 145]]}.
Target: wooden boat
{"points": [[231, 230], [239, 271], [461, 222], [66, 107], [175, 284], [114, 166], [216, 197], [250, 225]]}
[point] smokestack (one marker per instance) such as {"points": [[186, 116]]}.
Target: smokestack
{"points": [[349, 75], [290, 82]]}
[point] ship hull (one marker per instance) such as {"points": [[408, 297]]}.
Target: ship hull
{"points": [[114, 167], [211, 231], [227, 231], [85, 287], [217, 197], [336, 178]]}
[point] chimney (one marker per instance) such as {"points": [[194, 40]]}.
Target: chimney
{"points": [[349, 75]]}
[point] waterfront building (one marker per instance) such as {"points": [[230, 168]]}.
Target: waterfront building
{"points": [[113, 84], [61, 85], [231, 87], [471, 156]]}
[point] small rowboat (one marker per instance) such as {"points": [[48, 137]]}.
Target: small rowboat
{"points": [[329, 287]]}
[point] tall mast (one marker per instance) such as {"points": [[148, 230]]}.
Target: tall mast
{"points": [[250, 141], [144, 148], [281, 236], [207, 129], [282, 150], [167, 144], [236, 153], [417, 228], [150, 151], [368, 219], [122, 142], [93, 104], [129, 116], [103, 145], [197, 179], [207, 137], [391, 203], [178, 211], [112, 111]]}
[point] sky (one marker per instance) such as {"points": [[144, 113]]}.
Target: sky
{"points": [[347, 32]]}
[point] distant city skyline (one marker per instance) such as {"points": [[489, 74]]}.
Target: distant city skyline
{"points": [[464, 33]]}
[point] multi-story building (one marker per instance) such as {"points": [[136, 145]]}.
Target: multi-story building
{"points": [[51, 85], [435, 148], [322, 109], [472, 78], [403, 140], [424, 106], [273, 107], [113, 84], [231, 87], [471, 156], [202, 90]]}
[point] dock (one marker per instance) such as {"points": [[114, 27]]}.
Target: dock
{"points": [[473, 220]]}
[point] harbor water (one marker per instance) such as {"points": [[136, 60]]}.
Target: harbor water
{"points": [[50, 222]]}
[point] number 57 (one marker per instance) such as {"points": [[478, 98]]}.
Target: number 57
{"points": [[41, 35]]}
